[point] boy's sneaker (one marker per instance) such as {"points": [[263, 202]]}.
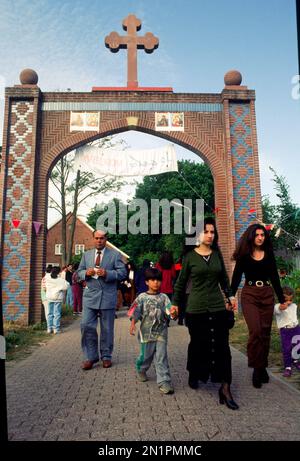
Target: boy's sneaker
{"points": [[166, 388], [57, 332], [287, 373], [49, 331], [142, 376]]}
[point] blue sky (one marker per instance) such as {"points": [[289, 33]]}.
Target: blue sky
{"points": [[199, 41]]}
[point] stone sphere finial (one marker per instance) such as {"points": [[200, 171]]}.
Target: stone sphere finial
{"points": [[28, 77], [233, 77]]}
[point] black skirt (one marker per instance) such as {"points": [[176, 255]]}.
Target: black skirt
{"points": [[209, 352]]}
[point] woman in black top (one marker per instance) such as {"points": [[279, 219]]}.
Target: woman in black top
{"points": [[255, 258]]}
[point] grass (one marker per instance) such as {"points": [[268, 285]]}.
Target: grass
{"points": [[20, 340], [239, 338]]}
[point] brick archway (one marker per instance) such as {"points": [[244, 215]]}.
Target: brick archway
{"points": [[220, 128]]}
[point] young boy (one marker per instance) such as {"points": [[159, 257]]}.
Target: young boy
{"points": [[153, 310], [287, 322], [55, 288]]}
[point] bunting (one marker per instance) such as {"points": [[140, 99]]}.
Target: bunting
{"points": [[16, 224]]}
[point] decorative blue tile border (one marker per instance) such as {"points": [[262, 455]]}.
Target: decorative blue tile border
{"points": [[133, 106], [238, 112]]}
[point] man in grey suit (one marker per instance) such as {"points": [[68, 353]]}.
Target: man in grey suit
{"points": [[101, 269]]}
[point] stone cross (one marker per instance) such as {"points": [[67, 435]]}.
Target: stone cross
{"points": [[132, 42]]}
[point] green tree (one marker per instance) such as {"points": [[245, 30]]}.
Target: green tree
{"points": [[268, 210], [193, 181], [74, 187], [287, 213]]}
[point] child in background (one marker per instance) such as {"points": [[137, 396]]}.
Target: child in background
{"points": [[287, 322], [153, 310], [55, 288]]}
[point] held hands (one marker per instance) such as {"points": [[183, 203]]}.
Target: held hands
{"points": [[174, 312], [231, 304], [90, 272]]}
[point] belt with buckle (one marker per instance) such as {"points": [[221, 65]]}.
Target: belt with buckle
{"points": [[258, 283]]}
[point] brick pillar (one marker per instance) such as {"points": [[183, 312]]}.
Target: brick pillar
{"points": [[17, 183], [239, 116]]}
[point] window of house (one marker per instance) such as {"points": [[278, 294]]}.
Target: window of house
{"points": [[79, 249], [58, 249]]}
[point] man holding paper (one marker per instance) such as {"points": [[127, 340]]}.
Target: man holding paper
{"points": [[101, 269]]}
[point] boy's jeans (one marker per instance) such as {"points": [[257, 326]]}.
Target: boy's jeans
{"points": [[155, 351], [54, 315]]}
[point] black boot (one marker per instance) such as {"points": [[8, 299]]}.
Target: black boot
{"points": [[256, 378]]}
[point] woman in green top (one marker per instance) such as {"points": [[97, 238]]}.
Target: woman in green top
{"points": [[206, 316]]}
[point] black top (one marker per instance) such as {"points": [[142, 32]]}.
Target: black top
{"points": [[265, 269], [69, 277]]}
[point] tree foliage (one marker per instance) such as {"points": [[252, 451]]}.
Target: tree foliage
{"points": [[74, 187], [285, 215], [194, 181]]}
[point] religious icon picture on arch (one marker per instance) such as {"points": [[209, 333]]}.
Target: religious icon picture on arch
{"points": [[169, 121], [177, 120], [84, 121]]}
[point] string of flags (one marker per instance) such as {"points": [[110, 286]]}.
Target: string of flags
{"points": [[36, 225]]}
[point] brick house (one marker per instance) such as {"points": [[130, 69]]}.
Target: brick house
{"points": [[83, 240]]}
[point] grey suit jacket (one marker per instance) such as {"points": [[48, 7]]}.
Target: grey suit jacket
{"points": [[101, 293]]}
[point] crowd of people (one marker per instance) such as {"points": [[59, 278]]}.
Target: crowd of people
{"points": [[195, 290]]}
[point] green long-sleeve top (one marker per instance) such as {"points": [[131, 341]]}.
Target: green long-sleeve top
{"points": [[206, 281]]}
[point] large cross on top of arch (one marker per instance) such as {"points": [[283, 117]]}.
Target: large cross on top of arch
{"points": [[132, 42]]}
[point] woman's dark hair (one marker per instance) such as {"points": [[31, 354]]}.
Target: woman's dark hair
{"points": [[152, 274], [212, 222], [75, 266], [166, 260], [187, 248], [245, 245]]}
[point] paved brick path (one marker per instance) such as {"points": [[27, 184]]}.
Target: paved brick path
{"points": [[51, 398]]}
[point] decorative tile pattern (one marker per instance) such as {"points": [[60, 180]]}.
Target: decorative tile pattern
{"points": [[242, 165], [133, 106], [17, 193]]}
